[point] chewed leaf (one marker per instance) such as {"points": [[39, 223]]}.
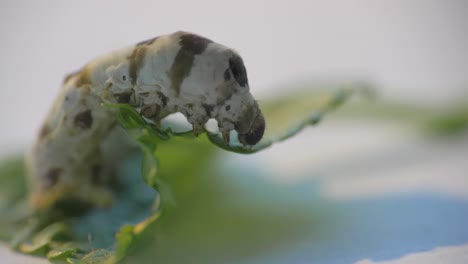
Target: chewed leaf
{"points": [[134, 123], [288, 115], [285, 117], [97, 256]]}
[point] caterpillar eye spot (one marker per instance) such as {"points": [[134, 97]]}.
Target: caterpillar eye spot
{"points": [[124, 78], [228, 107]]}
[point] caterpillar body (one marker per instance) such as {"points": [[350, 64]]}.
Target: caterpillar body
{"points": [[179, 72]]}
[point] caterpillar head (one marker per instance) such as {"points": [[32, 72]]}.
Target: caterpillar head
{"points": [[240, 110], [251, 127], [210, 81]]}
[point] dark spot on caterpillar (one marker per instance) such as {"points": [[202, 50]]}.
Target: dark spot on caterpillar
{"points": [[208, 109], [124, 78], [147, 42], [188, 115], [45, 130], [164, 99], [238, 70], [72, 206], [227, 75], [83, 78], [123, 98], [228, 107], [84, 120], [136, 62], [136, 58], [194, 43], [96, 178], [53, 176], [150, 111], [190, 45], [189, 106]]}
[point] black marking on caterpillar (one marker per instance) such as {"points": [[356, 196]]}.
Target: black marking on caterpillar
{"points": [[190, 45], [84, 120], [136, 62], [123, 98], [164, 99], [208, 109], [227, 75], [53, 176], [238, 70]]}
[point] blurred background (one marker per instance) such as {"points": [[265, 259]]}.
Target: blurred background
{"points": [[415, 52]]}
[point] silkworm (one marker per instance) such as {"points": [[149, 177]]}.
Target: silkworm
{"points": [[179, 72]]}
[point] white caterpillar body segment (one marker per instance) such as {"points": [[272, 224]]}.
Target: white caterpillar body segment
{"points": [[179, 72]]}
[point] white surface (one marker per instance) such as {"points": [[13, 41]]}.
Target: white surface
{"points": [[397, 193], [10, 257], [453, 255], [412, 49]]}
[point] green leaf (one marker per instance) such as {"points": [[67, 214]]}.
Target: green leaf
{"points": [[439, 121], [38, 248], [449, 122], [288, 115], [14, 207], [182, 167], [12, 181], [61, 252]]}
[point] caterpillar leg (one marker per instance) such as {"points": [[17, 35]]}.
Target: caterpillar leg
{"points": [[197, 116]]}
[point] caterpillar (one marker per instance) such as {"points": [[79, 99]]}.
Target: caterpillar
{"points": [[180, 72]]}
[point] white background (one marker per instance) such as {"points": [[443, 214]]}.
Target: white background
{"points": [[412, 50]]}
